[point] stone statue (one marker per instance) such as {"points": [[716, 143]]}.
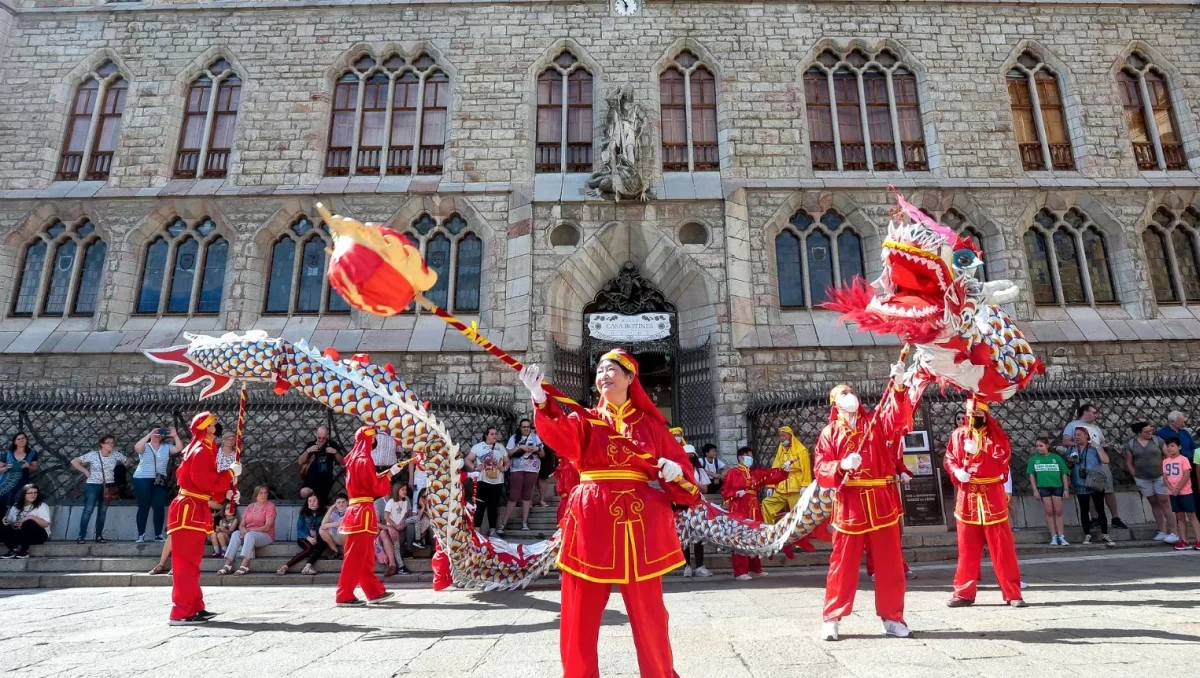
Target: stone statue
{"points": [[623, 155]]}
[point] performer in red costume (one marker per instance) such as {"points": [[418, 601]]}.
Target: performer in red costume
{"points": [[566, 477], [189, 520], [740, 491], [361, 524], [977, 459], [859, 452], [617, 529]]}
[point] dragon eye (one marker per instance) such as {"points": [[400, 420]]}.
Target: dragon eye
{"points": [[964, 259]]}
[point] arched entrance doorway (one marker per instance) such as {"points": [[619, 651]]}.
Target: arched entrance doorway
{"points": [[631, 313]]}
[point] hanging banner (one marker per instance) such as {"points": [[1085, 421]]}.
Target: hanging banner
{"points": [[641, 327]]}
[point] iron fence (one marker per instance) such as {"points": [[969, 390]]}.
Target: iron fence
{"points": [[1042, 410], [65, 424]]}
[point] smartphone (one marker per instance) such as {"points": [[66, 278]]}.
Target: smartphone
{"points": [[164, 431]]}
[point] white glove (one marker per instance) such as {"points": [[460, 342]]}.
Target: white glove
{"points": [[236, 468], [904, 478], [669, 470], [768, 492], [473, 475], [395, 469], [897, 370], [237, 497], [962, 476], [740, 494], [787, 465], [852, 461], [531, 376]]}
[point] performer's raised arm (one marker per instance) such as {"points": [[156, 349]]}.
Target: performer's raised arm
{"points": [[564, 433]]}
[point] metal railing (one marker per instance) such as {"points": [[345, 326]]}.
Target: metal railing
{"points": [[1042, 410], [64, 424]]}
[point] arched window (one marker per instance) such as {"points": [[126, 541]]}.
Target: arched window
{"points": [[298, 284], [812, 256], [399, 109], [184, 270], [209, 123], [960, 225], [564, 117], [1149, 115], [1068, 260], [94, 126], [688, 108], [693, 234], [1172, 251], [455, 252], [564, 235], [1037, 108], [874, 130], [62, 268]]}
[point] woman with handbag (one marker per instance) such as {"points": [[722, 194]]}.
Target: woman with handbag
{"points": [[1087, 478], [100, 468], [150, 479], [15, 467]]}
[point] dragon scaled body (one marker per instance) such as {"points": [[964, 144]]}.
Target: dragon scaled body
{"points": [[378, 397]]}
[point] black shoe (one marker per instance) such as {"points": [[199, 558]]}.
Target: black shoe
{"points": [[353, 602], [387, 595], [22, 555], [959, 602], [194, 620], [101, 540], [206, 614], [1117, 522], [81, 540], [418, 545], [9, 556], [404, 570]]}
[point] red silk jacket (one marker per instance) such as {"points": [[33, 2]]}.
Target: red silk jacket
{"points": [[982, 501], [199, 481], [616, 528], [867, 498], [751, 480], [364, 486]]}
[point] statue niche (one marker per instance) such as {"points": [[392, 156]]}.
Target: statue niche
{"points": [[624, 153]]}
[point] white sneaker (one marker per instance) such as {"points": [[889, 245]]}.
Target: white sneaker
{"points": [[1087, 540], [1062, 540], [762, 574], [687, 570], [1171, 538], [872, 577], [829, 631], [1024, 585], [141, 539], [895, 628], [1054, 540], [742, 577], [1159, 536], [703, 572]]}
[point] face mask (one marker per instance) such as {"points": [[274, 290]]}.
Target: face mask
{"points": [[747, 461], [847, 402], [786, 443]]}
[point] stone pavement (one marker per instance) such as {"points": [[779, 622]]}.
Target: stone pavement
{"points": [[1093, 613]]}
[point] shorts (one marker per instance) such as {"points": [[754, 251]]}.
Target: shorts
{"points": [[1149, 488], [521, 485], [1183, 503], [1108, 479], [1050, 492]]}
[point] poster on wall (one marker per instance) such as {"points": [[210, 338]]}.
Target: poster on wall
{"points": [[923, 495], [640, 327]]}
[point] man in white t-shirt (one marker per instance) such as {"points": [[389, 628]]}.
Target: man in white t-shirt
{"points": [[1086, 418], [486, 464]]}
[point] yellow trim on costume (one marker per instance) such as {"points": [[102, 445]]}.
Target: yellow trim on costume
{"points": [[981, 406], [183, 523], [368, 518], [597, 476], [193, 495], [361, 500], [981, 522], [986, 481], [869, 529], [869, 482], [911, 249], [621, 360]]}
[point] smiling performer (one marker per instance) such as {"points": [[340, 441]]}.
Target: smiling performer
{"points": [[618, 529]]}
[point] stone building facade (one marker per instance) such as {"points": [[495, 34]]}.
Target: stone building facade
{"points": [[709, 238]]}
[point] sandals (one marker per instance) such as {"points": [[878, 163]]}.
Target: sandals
{"points": [[241, 571], [158, 569], [308, 569], [281, 571], [225, 570]]}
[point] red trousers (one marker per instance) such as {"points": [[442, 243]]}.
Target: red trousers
{"points": [[187, 551], [842, 583], [583, 604], [871, 563], [999, 539], [744, 564], [358, 569]]}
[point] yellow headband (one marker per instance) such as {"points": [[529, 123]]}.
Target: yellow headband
{"points": [[676, 430], [785, 429], [837, 391], [208, 421], [620, 360], [980, 406]]}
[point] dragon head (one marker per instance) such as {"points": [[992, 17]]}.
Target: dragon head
{"points": [[220, 360]]}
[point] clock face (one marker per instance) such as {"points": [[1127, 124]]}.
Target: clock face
{"points": [[625, 7]]}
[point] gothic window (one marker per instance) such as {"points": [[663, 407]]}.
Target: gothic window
{"points": [[208, 123], [93, 126], [1068, 260], [1040, 121], [184, 270], [1150, 116], [389, 118], [564, 117], [61, 272], [960, 225], [1171, 251], [297, 284], [812, 256], [455, 252], [688, 108], [863, 113]]}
